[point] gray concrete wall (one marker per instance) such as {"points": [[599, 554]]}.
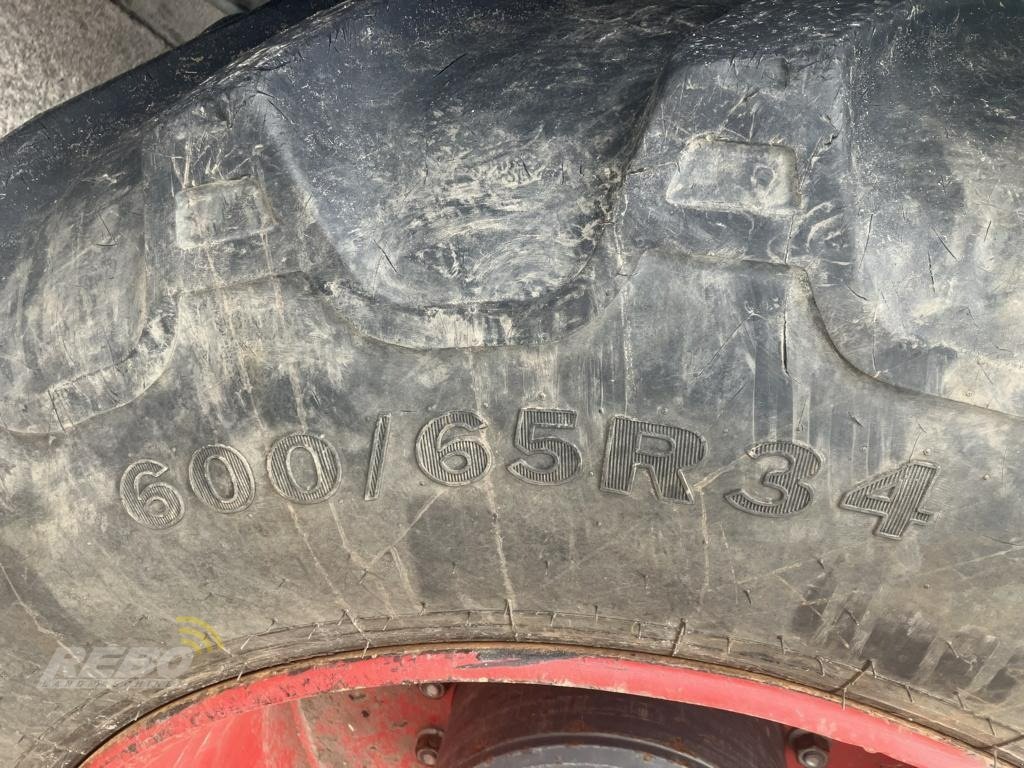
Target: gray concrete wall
{"points": [[52, 50]]}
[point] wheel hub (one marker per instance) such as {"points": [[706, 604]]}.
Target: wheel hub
{"points": [[535, 726]]}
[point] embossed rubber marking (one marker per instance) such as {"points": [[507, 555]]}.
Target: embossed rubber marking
{"points": [[326, 468], [453, 460], [564, 458], [157, 505], [802, 463], [237, 469], [451, 450], [896, 497], [378, 454], [664, 451]]}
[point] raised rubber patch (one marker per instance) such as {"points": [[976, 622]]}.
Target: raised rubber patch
{"points": [[219, 212], [729, 175]]}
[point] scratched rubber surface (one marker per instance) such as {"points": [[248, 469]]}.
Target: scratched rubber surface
{"points": [[684, 328]]}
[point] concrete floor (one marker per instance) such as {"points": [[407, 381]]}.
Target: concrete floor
{"points": [[51, 50]]}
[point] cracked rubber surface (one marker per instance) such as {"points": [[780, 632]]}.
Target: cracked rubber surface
{"points": [[688, 328]]}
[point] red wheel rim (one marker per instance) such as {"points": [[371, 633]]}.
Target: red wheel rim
{"points": [[164, 736]]}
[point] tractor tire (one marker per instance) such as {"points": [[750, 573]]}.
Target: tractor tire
{"points": [[685, 328]]}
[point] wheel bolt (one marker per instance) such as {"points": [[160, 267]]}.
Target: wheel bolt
{"points": [[810, 748], [433, 690], [428, 744]]}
